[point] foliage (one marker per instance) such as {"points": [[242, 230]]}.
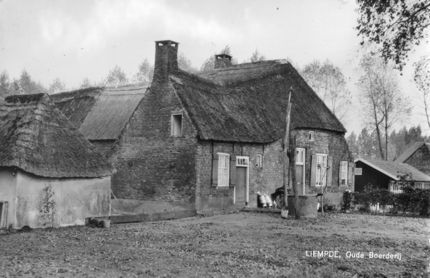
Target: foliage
{"points": [[365, 144], [383, 102], [411, 200], [393, 26], [47, 206], [347, 201], [330, 84], [116, 77], [422, 80]]}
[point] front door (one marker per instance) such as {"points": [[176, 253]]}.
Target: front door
{"points": [[241, 186], [241, 189]]}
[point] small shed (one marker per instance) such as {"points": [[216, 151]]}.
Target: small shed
{"points": [[381, 174], [50, 175]]}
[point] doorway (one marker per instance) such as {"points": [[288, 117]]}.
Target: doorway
{"points": [[3, 214], [241, 197]]}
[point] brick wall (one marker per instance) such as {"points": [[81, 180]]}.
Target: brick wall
{"points": [[210, 198], [332, 144], [150, 163], [420, 159]]}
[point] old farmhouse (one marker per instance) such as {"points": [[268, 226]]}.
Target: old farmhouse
{"points": [[209, 142], [50, 175]]}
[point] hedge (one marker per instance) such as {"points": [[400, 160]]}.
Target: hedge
{"points": [[412, 200]]}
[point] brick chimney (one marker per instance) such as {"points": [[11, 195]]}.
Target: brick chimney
{"points": [[222, 61], [166, 59]]}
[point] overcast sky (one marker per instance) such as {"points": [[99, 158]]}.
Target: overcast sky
{"points": [[76, 39]]}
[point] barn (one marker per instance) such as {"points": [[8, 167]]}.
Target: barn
{"points": [[418, 156], [387, 175], [50, 175]]}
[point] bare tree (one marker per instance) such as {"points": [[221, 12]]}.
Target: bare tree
{"points": [[4, 84], [382, 98], [330, 84], [209, 64], [144, 74], [185, 64], [422, 80], [116, 77], [86, 83], [56, 86], [256, 57]]}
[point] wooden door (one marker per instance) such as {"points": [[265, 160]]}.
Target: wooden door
{"points": [[3, 214], [241, 186]]}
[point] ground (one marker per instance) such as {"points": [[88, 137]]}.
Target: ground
{"points": [[234, 245]]}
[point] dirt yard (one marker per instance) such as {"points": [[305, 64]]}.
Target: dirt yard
{"points": [[235, 245]]}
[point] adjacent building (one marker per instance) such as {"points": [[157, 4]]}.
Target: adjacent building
{"points": [[418, 156], [387, 175], [50, 175]]}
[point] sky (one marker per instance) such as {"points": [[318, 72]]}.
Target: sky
{"points": [[73, 40]]}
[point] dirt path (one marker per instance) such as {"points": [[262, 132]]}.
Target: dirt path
{"points": [[240, 245]]}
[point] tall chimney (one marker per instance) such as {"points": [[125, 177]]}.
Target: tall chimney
{"points": [[166, 59], [222, 61]]}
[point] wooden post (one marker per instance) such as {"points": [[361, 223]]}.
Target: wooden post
{"points": [[284, 211], [293, 177]]}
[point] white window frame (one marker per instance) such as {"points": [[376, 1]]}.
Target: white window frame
{"points": [[343, 172], [173, 130], [259, 161], [243, 161], [300, 156], [321, 170], [223, 169]]}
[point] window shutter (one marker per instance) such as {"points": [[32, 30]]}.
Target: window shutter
{"points": [[214, 170], [313, 170], [340, 173], [232, 170], [329, 170], [351, 173]]}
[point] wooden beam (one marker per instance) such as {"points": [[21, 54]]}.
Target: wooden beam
{"points": [[286, 157]]}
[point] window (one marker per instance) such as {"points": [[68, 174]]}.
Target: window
{"points": [[396, 188], [343, 173], [242, 161], [300, 156], [259, 161], [176, 125], [223, 169], [321, 170], [311, 136]]}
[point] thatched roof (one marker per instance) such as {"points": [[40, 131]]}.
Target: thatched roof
{"points": [[395, 170], [247, 102], [100, 113], [37, 138], [411, 150]]}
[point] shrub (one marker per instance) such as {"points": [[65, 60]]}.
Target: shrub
{"points": [[347, 200], [411, 200]]}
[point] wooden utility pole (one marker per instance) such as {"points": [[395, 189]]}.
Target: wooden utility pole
{"points": [[293, 177], [286, 142]]}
